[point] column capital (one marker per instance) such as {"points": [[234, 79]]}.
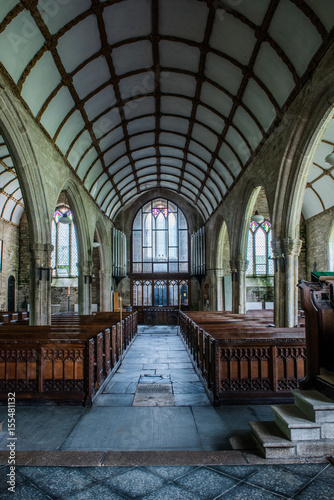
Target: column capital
{"points": [[239, 265], [291, 246]]}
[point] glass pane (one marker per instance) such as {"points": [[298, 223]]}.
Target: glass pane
{"points": [[137, 268], [147, 268], [147, 293], [173, 294], [136, 246], [260, 251], [182, 221], [159, 202], [147, 207], [250, 269], [183, 245], [160, 268], [147, 233], [160, 293], [184, 294], [270, 261], [183, 267], [63, 249], [137, 221], [173, 267], [172, 207], [74, 253], [137, 294], [173, 253], [147, 254], [172, 228], [53, 240]]}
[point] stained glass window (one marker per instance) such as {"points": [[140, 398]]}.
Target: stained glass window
{"points": [[259, 249], [64, 257], [160, 239]]}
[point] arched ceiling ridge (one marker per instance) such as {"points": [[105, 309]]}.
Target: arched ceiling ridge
{"points": [[117, 84]]}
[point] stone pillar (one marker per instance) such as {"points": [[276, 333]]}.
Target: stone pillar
{"points": [[214, 277], [40, 284], [238, 269], [85, 288], [291, 247], [286, 253], [105, 291]]}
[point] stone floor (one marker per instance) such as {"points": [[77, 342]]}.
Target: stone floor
{"points": [[152, 434]]}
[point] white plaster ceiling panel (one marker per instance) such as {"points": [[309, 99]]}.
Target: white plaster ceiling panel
{"points": [[127, 19], [216, 99], [165, 151], [146, 171], [8, 209], [172, 139], [173, 162], [329, 133], [82, 153], [311, 205], [234, 139], [223, 72], [325, 189], [324, 10], [248, 127], [130, 194], [258, 102], [254, 10], [210, 119], [295, 34], [233, 38], [143, 153], [205, 137], [6, 6], [176, 105], [127, 186], [74, 47], [107, 122], [322, 151], [122, 174], [175, 83], [173, 186], [69, 131], [91, 77], [267, 64], [190, 186], [19, 42], [42, 80], [93, 174], [138, 107], [16, 214], [218, 181], [209, 197], [198, 150], [111, 139], [57, 109], [183, 19], [179, 55], [102, 101], [175, 124], [132, 57], [118, 165], [142, 140], [141, 124], [191, 178], [199, 174], [115, 153], [57, 14]]}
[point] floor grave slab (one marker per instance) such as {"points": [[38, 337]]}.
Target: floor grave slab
{"points": [[154, 395]]}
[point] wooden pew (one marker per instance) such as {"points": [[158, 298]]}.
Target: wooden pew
{"points": [[244, 360]]}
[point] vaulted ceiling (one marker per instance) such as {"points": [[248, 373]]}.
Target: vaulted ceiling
{"points": [[174, 94]]}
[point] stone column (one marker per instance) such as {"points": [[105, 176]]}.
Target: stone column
{"points": [[238, 269], [214, 277], [85, 288], [291, 247], [40, 283], [105, 290], [286, 253]]}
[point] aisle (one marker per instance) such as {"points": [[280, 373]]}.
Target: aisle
{"points": [[156, 371]]}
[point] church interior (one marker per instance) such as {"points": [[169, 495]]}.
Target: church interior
{"points": [[167, 247]]}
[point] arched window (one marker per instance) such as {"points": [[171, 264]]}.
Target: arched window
{"points": [[65, 254], [259, 249], [160, 262], [160, 239]]}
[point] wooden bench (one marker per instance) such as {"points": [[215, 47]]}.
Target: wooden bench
{"points": [[68, 364], [244, 361]]}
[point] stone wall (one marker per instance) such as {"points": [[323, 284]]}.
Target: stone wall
{"points": [[318, 230], [24, 266], [9, 234]]}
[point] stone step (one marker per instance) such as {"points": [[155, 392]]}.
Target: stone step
{"points": [[271, 441], [294, 424], [315, 405], [315, 449]]}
